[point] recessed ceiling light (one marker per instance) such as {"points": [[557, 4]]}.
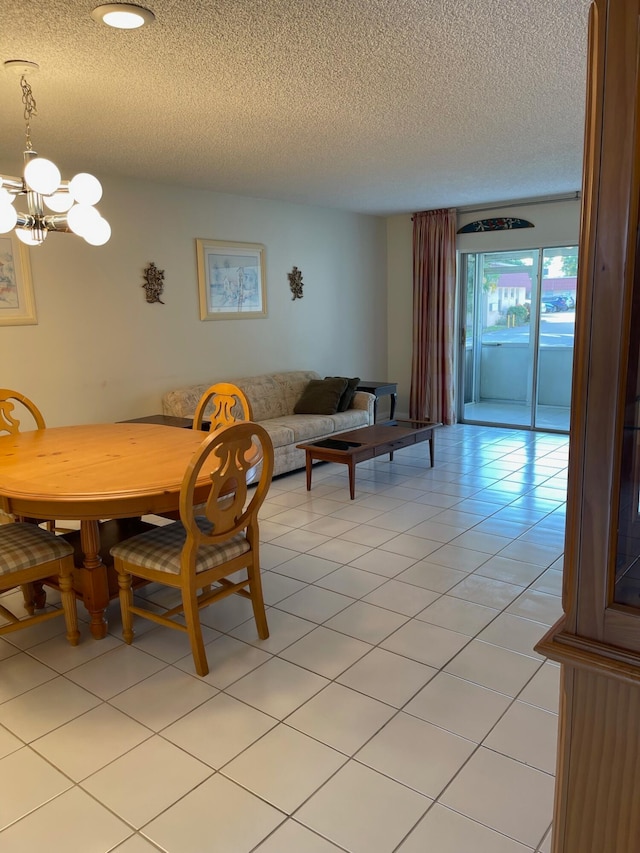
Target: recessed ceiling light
{"points": [[123, 16]]}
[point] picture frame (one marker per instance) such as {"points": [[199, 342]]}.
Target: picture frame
{"points": [[231, 280], [17, 305]]}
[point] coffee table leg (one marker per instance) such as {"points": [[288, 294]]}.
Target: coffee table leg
{"points": [[352, 478], [432, 449], [308, 467], [95, 589]]}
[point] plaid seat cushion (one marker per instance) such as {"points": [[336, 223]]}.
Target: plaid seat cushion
{"points": [[160, 549], [25, 545]]}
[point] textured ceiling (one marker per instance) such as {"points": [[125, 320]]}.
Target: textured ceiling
{"points": [[378, 106]]}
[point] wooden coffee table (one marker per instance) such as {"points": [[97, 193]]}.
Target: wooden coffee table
{"points": [[358, 445]]}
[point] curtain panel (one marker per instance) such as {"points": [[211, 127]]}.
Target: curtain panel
{"points": [[432, 395]]}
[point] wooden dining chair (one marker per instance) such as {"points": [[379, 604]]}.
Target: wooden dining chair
{"points": [[225, 403], [29, 554], [217, 536], [11, 420]]}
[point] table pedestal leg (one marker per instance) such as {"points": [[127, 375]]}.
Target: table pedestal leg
{"points": [[95, 589]]}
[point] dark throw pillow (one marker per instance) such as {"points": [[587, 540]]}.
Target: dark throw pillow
{"points": [[348, 393], [321, 397]]}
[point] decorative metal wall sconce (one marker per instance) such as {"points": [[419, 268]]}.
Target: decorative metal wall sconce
{"points": [[295, 283], [153, 283]]}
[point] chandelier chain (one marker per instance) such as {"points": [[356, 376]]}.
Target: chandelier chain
{"points": [[29, 109]]}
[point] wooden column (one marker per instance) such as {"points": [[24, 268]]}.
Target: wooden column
{"points": [[597, 802]]}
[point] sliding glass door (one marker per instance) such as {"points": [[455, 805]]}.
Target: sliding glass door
{"points": [[516, 348], [556, 333]]}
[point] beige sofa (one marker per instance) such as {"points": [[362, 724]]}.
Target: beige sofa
{"points": [[273, 397]]}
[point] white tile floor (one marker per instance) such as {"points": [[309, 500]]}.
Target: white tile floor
{"points": [[518, 414], [397, 707]]}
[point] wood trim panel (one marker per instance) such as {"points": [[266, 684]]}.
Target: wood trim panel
{"points": [[606, 270], [622, 627], [578, 476], [600, 722], [597, 641], [590, 183], [584, 653], [607, 274]]}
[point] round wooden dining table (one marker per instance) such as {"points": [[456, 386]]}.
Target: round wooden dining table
{"points": [[93, 473]]}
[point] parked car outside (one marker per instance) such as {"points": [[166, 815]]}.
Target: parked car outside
{"points": [[555, 302]]}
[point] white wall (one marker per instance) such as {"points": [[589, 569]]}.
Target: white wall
{"points": [[556, 224], [100, 352], [400, 306]]}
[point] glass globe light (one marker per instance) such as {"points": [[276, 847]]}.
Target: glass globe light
{"points": [[42, 176], [85, 189], [26, 236], [59, 202], [98, 233], [8, 216], [81, 217]]}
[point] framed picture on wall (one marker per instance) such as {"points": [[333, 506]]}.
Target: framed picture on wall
{"points": [[17, 305], [231, 280]]}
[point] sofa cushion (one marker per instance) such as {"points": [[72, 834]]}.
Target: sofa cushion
{"points": [[273, 395], [182, 402], [306, 427], [264, 393], [279, 432], [321, 397], [351, 419], [293, 383], [348, 393]]}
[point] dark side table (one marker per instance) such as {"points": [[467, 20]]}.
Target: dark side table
{"points": [[166, 420], [380, 389]]}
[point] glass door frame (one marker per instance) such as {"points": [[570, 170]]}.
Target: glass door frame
{"points": [[533, 379]]}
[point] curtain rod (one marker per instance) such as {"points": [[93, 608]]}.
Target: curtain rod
{"points": [[572, 197], [576, 196]]}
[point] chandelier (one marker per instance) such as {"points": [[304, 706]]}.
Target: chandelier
{"points": [[71, 202]]}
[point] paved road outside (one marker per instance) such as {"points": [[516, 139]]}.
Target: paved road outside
{"points": [[555, 330]]}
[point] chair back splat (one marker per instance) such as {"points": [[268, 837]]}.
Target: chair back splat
{"points": [[217, 537], [8, 421], [225, 403]]}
